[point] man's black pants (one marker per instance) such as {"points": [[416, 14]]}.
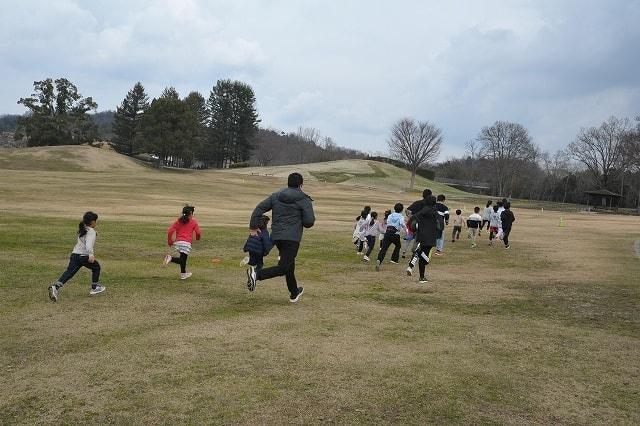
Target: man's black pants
{"points": [[286, 266]]}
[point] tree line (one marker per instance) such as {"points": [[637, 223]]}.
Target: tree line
{"points": [[503, 155]]}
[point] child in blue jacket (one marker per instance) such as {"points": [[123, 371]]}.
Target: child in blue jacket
{"points": [[258, 246]]}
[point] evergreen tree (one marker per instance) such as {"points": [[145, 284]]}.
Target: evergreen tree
{"points": [[197, 117], [233, 120], [127, 120], [165, 128], [58, 115]]}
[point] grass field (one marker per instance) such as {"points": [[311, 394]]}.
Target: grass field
{"points": [[548, 332]]}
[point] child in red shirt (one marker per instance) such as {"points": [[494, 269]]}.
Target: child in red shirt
{"points": [[183, 228]]}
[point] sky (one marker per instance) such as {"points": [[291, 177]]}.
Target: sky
{"points": [[347, 68]]}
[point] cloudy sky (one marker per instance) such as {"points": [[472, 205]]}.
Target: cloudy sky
{"points": [[347, 68]]}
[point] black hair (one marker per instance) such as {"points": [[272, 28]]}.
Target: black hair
{"points": [[86, 221], [426, 193], [458, 211], [489, 203], [264, 221], [294, 180], [374, 216], [500, 204], [387, 213], [441, 197], [504, 201], [476, 209], [507, 205], [187, 211], [367, 210], [430, 200], [398, 208], [495, 208]]}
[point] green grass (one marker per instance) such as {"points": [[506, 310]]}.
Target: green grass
{"points": [[547, 332]]}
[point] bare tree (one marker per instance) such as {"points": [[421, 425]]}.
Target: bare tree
{"points": [[600, 149], [506, 145], [415, 144]]}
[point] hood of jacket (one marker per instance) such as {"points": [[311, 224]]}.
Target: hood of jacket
{"points": [[291, 195]]}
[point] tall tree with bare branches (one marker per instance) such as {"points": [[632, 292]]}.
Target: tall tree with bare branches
{"points": [[601, 149], [415, 144], [506, 145]]}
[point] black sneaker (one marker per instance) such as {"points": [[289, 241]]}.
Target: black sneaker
{"points": [[295, 299]]}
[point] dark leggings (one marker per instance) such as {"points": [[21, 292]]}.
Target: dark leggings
{"points": [[505, 235], [360, 245], [75, 263], [371, 242], [182, 261], [421, 255]]}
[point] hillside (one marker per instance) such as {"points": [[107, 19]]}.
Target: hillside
{"points": [[360, 173], [80, 158]]}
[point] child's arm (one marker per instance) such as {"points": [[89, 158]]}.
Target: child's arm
{"points": [[89, 242], [170, 233], [196, 229]]}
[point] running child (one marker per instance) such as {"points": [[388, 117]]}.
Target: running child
{"points": [[358, 238], [507, 218], [82, 255], [370, 230], [409, 236], [382, 225], [457, 226], [474, 223], [184, 228], [443, 219], [395, 224], [494, 224], [486, 214], [424, 223], [258, 246]]}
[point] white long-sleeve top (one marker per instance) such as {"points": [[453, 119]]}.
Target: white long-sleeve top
{"points": [[84, 246]]}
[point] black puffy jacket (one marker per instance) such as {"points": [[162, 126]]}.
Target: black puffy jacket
{"points": [[292, 211]]}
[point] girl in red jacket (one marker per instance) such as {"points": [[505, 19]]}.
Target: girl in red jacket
{"points": [[183, 228]]}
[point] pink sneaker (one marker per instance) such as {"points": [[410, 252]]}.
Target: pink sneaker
{"points": [[167, 260]]}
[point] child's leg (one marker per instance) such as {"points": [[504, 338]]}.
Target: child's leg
{"points": [[395, 256], [453, 234], [505, 237], [95, 270], [371, 243], [386, 242], [73, 267], [360, 245]]}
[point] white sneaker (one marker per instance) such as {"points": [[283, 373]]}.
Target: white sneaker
{"points": [[423, 280], [366, 258], [377, 265], [53, 293], [251, 278], [99, 289], [166, 260], [391, 261], [244, 261], [185, 275], [409, 271]]}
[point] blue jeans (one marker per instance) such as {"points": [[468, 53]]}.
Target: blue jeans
{"points": [[75, 263], [440, 243]]}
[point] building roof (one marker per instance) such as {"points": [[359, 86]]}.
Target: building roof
{"points": [[603, 192]]}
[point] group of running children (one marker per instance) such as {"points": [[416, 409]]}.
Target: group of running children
{"points": [[402, 229], [423, 227]]}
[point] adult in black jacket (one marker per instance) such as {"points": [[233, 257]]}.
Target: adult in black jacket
{"points": [[426, 235], [507, 217], [292, 212]]}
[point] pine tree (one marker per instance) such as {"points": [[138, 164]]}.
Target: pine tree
{"points": [[233, 121], [127, 120]]}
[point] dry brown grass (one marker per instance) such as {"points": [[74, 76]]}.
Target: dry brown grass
{"points": [[545, 333]]}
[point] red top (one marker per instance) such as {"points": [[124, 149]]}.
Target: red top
{"points": [[183, 231]]}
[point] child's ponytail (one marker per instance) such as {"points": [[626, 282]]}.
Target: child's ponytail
{"points": [[86, 221], [187, 211]]}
